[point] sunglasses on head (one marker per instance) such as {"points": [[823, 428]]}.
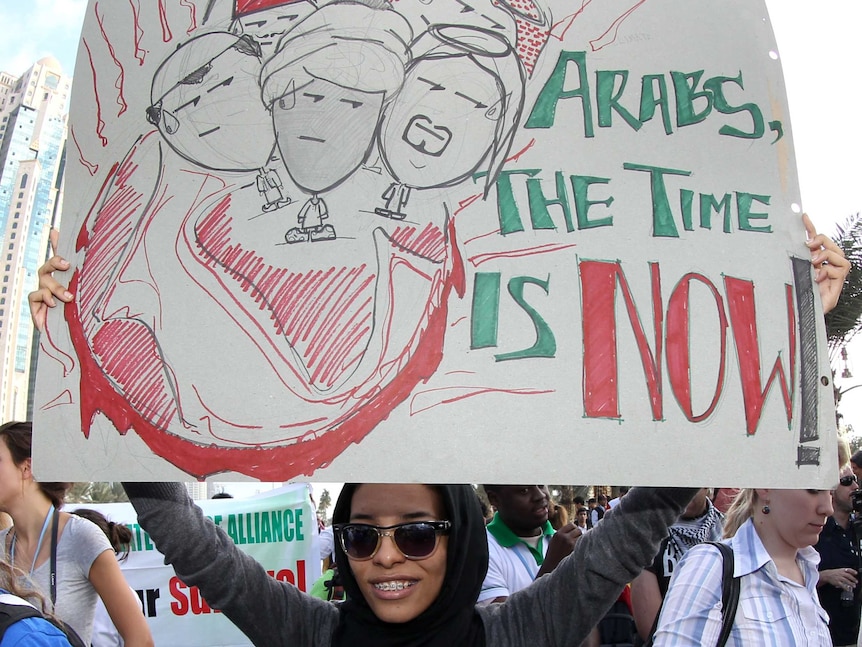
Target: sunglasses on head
{"points": [[848, 480], [415, 539]]}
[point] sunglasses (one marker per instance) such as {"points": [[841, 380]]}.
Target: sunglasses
{"points": [[848, 480], [415, 539]]}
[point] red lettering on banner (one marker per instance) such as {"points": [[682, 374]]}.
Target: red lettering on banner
{"points": [[743, 320], [297, 578], [679, 351], [602, 281], [181, 605], [598, 297], [193, 601]]}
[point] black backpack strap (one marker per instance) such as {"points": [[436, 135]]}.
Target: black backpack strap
{"points": [[12, 613], [53, 580], [730, 587], [729, 596]]}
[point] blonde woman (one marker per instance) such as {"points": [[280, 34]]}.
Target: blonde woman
{"points": [[772, 533]]}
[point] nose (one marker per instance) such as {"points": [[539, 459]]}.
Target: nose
{"points": [[388, 554], [825, 508]]}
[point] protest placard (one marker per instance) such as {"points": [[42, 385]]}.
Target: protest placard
{"points": [[488, 241], [278, 529]]}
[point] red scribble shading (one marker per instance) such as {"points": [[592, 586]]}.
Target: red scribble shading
{"points": [[140, 53], [303, 457], [678, 334], [121, 74], [125, 375], [532, 30], [449, 395], [50, 349], [325, 315], [193, 16], [429, 243], [92, 169], [64, 399], [615, 27], [561, 27], [477, 260], [517, 156], [466, 202], [493, 232], [167, 36], [242, 7], [457, 321], [100, 123]]}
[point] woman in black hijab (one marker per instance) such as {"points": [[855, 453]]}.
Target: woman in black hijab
{"points": [[407, 587], [451, 619]]}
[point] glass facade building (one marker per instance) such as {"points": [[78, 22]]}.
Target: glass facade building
{"points": [[33, 119]]}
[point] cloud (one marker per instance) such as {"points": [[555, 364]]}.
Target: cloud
{"points": [[38, 29]]}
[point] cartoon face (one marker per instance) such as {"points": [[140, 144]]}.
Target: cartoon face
{"points": [[206, 103], [324, 132], [442, 124]]}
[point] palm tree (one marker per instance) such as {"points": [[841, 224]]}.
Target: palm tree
{"points": [[845, 320], [90, 492]]}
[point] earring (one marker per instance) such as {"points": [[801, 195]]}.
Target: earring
{"points": [[765, 509]]}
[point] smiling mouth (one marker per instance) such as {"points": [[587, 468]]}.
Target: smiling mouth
{"points": [[393, 586]]}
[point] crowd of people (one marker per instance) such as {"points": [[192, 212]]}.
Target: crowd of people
{"points": [[421, 565]]}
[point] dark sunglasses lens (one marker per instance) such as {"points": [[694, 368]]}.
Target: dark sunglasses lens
{"points": [[359, 542], [416, 539], [847, 480]]}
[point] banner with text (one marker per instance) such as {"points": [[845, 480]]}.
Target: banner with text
{"points": [[279, 529]]}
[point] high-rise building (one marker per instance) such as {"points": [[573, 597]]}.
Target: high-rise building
{"points": [[33, 115]]}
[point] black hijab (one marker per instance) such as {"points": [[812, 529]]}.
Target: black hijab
{"points": [[451, 620]]}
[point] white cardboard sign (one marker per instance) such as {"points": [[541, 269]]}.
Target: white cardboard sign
{"points": [[435, 240]]}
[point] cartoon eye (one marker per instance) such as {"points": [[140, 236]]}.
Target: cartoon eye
{"points": [[288, 101], [197, 76], [353, 104], [154, 114], [316, 98], [170, 123], [493, 112], [247, 45]]}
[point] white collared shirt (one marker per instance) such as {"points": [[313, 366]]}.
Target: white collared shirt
{"points": [[772, 611]]}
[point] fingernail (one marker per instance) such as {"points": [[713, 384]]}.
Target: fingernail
{"points": [[68, 296]]}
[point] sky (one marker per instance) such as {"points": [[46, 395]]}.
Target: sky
{"points": [[817, 44]]}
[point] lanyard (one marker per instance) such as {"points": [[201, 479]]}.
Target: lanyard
{"points": [[38, 546]]}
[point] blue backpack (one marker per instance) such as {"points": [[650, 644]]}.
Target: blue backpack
{"points": [[14, 610]]}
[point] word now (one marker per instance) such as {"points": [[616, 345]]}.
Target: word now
{"points": [[602, 283]]}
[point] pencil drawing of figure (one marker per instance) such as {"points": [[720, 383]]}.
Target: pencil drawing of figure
{"points": [[289, 99], [326, 85], [457, 112], [204, 97]]}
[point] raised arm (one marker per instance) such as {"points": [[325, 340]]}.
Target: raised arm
{"points": [[268, 612], [561, 607]]}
